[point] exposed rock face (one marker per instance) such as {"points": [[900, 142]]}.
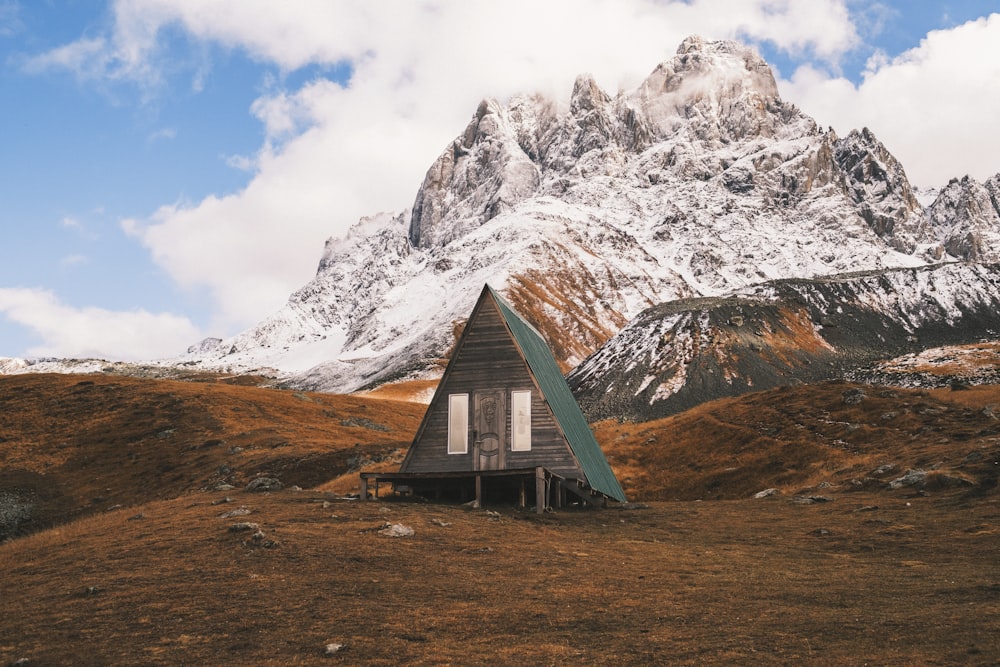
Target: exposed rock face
{"points": [[484, 170], [698, 183], [874, 180], [676, 355], [966, 217]]}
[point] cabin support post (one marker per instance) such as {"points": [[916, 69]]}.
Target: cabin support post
{"points": [[363, 491], [523, 497], [479, 490], [540, 490]]}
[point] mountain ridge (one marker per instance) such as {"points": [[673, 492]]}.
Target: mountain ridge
{"points": [[701, 181]]}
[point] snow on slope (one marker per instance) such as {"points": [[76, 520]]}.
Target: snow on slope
{"points": [[676, 355]]}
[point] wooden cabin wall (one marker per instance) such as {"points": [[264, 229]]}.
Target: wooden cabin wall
{"points": [[489, 359]]}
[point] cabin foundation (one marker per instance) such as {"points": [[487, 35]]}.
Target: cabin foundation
{"points": [[551, 490]]}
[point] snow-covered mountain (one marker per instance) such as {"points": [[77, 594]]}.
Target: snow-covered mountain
{"points": [[699, 182], [679, 354]]}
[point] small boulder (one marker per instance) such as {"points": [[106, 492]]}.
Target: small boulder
{"points": [[766, 493], [262, 484], [911, 478], [396, 530], [244, 526], [853, 396]]}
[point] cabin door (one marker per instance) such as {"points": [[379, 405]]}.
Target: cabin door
{"points": [[488, 423]]}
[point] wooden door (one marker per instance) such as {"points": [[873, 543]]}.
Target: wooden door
{"points": [[488, 424]]}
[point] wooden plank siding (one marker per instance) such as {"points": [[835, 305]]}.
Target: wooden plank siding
{"points": [[487, 358]]}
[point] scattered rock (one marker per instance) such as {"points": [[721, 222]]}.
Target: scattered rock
{"points": [[481, 550], [811, 500], [439, 522], [222, 501], [883, 469], [911, 478], [223, 486], [332, 649], [820, 532], [493, 515], [239, 511], [396, 530], [243, 526], [634, 506], [136, 517], [364, 423], [262, 484], [853, 396], [867, 508], [766, 493]]}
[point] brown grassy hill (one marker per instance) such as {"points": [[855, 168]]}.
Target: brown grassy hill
{"points": [[839, 569], [74, 445], [807, 438], [864, 579]]}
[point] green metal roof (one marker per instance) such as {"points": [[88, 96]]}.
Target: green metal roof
{"points": [[561, 401]]}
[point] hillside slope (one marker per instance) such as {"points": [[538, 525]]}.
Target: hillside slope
{"points": [[676, 355], [313, 580], [75, 445]]}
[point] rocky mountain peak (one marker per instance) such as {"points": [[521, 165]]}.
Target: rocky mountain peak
{"points": [[698, 183], [718, 92], [966, 217], [485, 170], [876, 182]]}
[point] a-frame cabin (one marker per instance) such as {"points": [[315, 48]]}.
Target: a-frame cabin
{"points": [[503, 418]]}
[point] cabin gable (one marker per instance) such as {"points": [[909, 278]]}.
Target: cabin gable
{"points": [[508, 423]]}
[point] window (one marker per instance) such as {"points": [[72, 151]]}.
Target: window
{"points": [[520, 421], [458, 424]]}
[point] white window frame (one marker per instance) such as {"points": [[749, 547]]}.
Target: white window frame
{"points": [[458, 423], [520, 421]]}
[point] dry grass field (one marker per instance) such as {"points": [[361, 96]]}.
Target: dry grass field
{"points": [[131, 560]]}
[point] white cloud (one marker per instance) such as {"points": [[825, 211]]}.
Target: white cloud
{"points": [[88, 58], [934, 106], [70, 332], [70, 261], [163, 134]]}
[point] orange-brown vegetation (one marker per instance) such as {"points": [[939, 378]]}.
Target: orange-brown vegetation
{"points": [[573, 328], [894, 577], [796, 438], [77, 445]]}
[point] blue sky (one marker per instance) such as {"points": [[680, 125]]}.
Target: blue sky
{"points": [[171, 168]]}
